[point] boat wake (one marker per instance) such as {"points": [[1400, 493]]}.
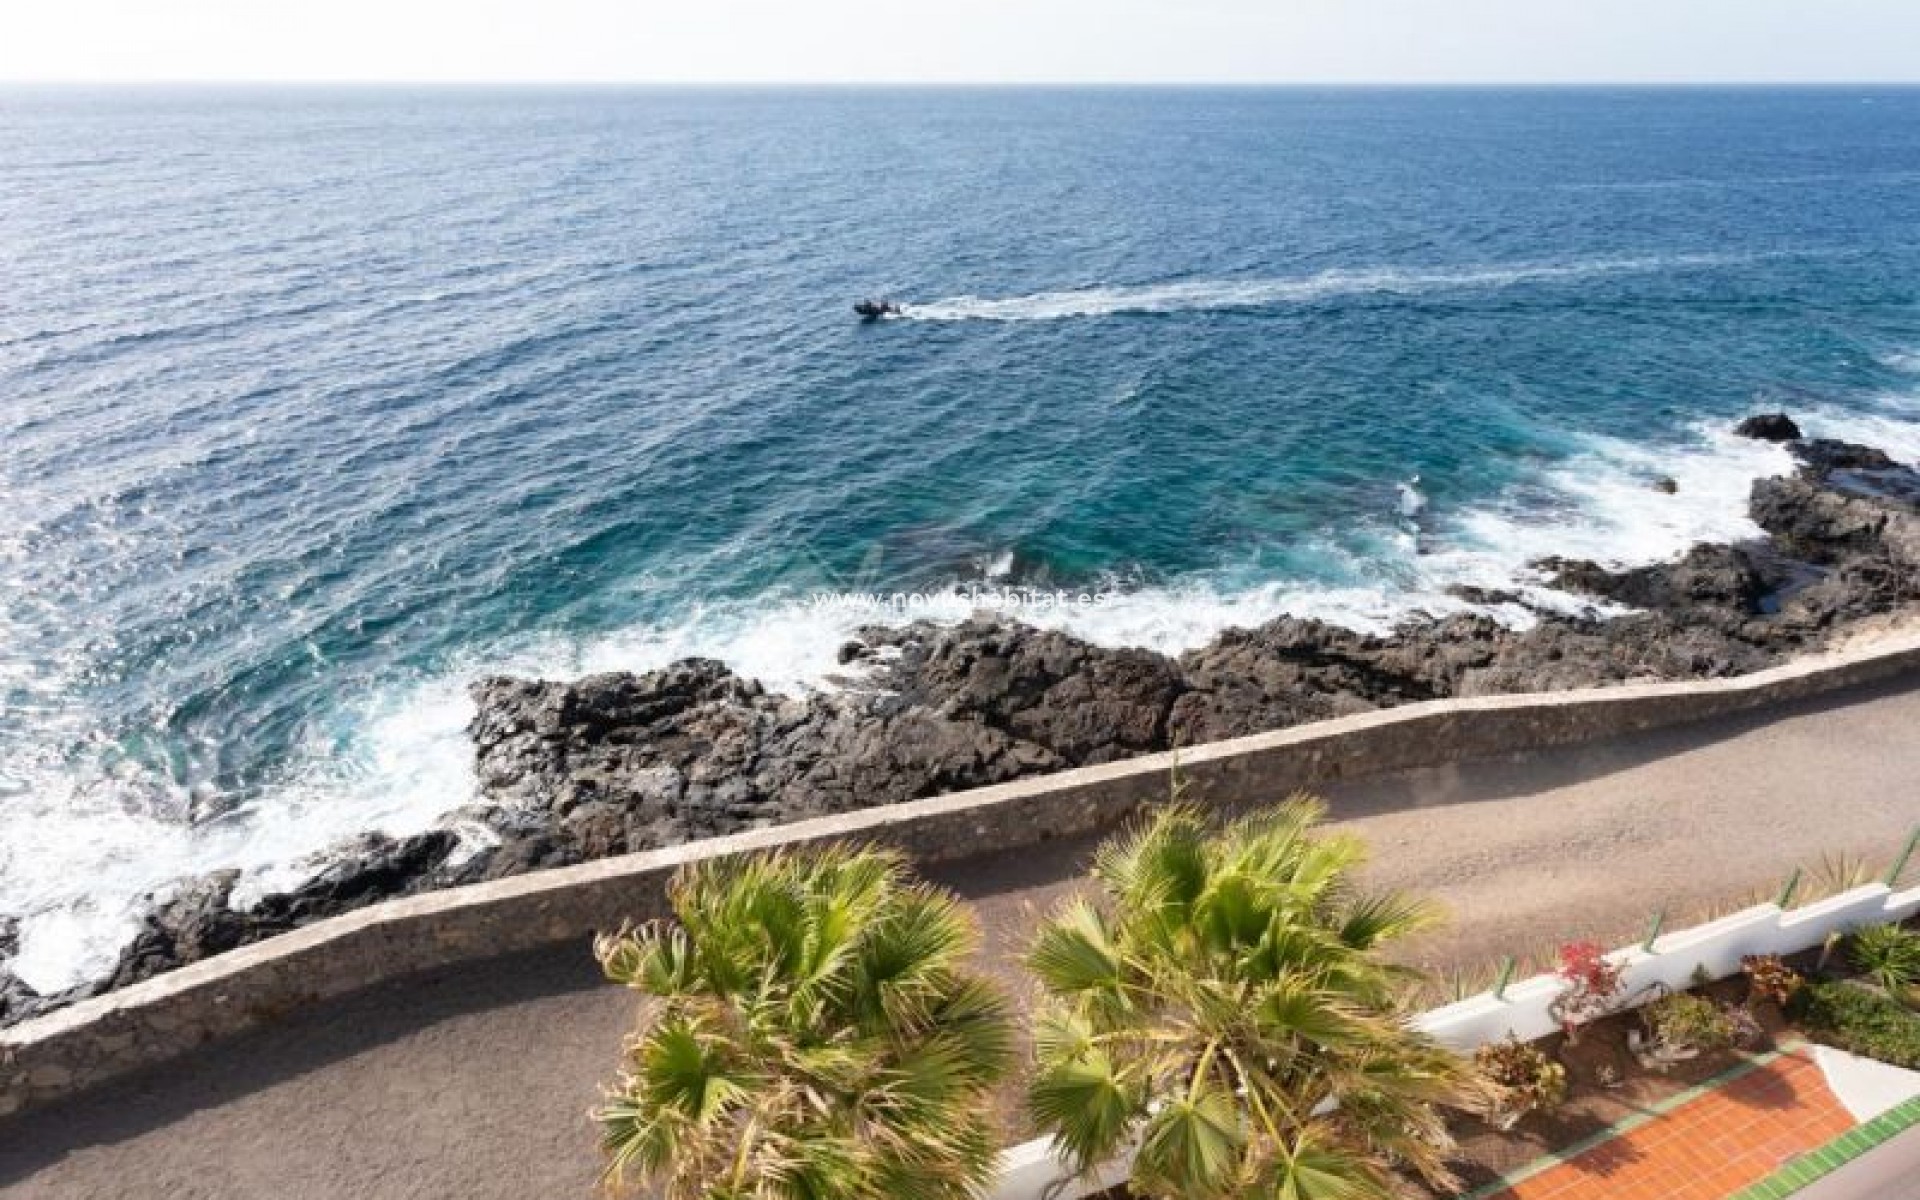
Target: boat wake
{"points": [[1204, 295]]}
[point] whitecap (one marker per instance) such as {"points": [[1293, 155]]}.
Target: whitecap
{"points": [[1413, 501]]}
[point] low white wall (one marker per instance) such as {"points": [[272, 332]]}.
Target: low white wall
{"points": [[1716, 947], [1031, 1171]]}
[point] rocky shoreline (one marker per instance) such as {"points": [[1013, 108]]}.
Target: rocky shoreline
{"points": [[609, 764]]}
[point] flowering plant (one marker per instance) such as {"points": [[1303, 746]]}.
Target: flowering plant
{"points": [[1591, 983]]}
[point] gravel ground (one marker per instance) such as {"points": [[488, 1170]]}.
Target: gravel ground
{"points": [[474, 1084]]}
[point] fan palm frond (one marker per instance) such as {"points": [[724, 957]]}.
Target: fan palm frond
{"points": [[812, 1034], [1223, 1002]]}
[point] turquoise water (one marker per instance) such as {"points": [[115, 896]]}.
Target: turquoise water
{"points": [[315, 404]]}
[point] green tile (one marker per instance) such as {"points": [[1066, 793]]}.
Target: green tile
{"points": [[1855, 1143]]}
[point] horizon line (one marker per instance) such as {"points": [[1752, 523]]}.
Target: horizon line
{"points": [[956, 84]]}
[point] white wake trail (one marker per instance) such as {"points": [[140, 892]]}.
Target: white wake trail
{"points": [[1202, 295]]}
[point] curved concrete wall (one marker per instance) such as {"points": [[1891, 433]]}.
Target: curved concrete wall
{"points": [[165, 1017]]}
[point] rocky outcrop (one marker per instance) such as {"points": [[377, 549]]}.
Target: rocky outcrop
{"points": [[1769, 427], [15, 996], [1291, 671], [572, 771], [1079, 703], [1823, 456], [616, 763], [1719, 579], [1820, 524], [371, 867], [200, 919], [197, 922]]}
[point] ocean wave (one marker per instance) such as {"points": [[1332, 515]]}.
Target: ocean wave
{"points": [[1892, 425], [81, 850], [94, 857], [1201, 295]]}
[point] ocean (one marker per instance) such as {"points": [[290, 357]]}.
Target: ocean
{"points": [[316, 404]]}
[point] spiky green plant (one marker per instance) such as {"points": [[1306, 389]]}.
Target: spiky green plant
{"points": [[813, 1034], [1839, 872], [1223, 1005], [1452, 984], [1889, 955]]}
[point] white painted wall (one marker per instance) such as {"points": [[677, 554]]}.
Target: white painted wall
{"points": [[1715, 947]]}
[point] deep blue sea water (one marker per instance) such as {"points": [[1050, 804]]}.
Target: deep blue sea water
{"points": [[315, 404]]}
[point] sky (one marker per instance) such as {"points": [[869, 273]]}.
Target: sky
{"points": [[962, 41]]}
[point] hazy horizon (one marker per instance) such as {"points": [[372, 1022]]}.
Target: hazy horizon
{"points": [[984, 85], [1373, 43]]}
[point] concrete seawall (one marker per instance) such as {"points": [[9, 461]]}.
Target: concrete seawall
{"points": [[165, 1017]]}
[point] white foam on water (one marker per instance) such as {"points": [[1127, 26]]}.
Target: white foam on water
{"points": [[1213, 294], [1604, 504], [79, 856], [1413, 501], [76, 860], [1892, 425]]}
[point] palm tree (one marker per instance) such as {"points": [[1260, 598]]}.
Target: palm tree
{"points": [[1223, 1006], [812, 1034]]}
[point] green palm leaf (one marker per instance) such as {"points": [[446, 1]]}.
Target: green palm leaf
{"points": [[1086, 1106], [685, 1072], [1315, 1170], [1371, 920], [813, 1034], [1223, 988], [1074, 955], [1192, 1146]]}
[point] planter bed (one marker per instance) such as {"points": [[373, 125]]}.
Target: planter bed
{"points": [[1596, 1103]]}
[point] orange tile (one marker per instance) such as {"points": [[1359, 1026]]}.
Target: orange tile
{"points": [[1708, 1148]]}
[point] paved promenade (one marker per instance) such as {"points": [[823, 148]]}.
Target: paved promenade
{"points": [[474, 1084]]}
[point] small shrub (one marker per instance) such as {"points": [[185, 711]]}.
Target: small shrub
{"points": [[1684, 1021], [1746, 1028], [1591, 985], [1770, 978], [1889, 955], [1857, 1020], [1452, 985], [1524, 1080]]}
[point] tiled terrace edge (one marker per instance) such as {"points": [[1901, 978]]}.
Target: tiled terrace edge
{"points": [[1643, 1116], [165, 1017], [1802, 1172]]}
